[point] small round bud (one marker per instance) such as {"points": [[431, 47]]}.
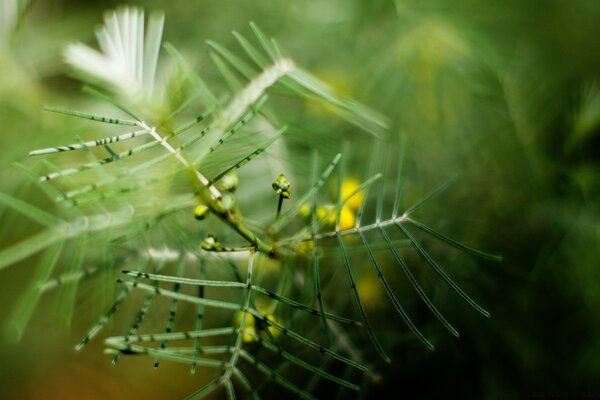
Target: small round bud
{"points": [[249, 328], [211, 244], [281, 186], [349, 186], [228, 183], [229, 201], [201, 212], [305, 211]]}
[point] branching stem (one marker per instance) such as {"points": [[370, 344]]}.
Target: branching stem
{"points": [[211, 195]]}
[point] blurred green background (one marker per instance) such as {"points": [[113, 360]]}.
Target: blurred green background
{"points": [[506, 94]]}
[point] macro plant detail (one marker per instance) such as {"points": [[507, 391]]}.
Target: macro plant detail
{"points": [[161, 202]]}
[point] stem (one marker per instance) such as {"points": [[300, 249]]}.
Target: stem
{"points": [[211, 194], [279, 204], [217, 207]]}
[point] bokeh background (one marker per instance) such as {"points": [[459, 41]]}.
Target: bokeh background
{"points": [[504, 94]]}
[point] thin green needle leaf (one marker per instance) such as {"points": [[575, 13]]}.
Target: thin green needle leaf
{"points": [[141, 315], [333, 251], [176, 355], [50, 191], [340, 180], [430, 196], [243, 121], [139, 319], [203, 91], [104, 97], [293, 211], [276, 48], [29, 211], [92, 143], [258, 289], [452, 242], [240, 332], [250, 156], [229, 389], [185, 127], [252, 51], [301, 306], [265, 43], [301, 363], [182, 297], [245, 383], [92, 117], [302, 339], [417, 287], [212, 385], [441, 272], [30, 246], [231, 80], [199, 310], [183, 280], [98, 163], [173, 308], [24, 310], [152, 49], [184, 105], [363, 314], [239, 64], [103, 319], [68, 279], [132, 151], [185, 351], [269, 373], [313, 227], [68, 294], [381, 194], [362, 187], [373, 160], [400, 179], [132, 171], [175, 336], [353, 112]]}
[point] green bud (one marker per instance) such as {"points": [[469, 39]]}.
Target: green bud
{"points": [[281, 186]]}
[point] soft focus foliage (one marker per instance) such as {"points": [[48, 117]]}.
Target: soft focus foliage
{"points": [[505, 95]]}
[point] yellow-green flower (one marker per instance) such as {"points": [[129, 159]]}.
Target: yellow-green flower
{"points": [[349, 185]]}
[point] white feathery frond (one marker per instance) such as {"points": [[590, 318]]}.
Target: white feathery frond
{"points": [[255, 89], [246, 97], [125, 61]]}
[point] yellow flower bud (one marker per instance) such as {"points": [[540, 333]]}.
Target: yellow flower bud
{"points": [[228, 183], [281, 186], [274, 332], [249, 328], [201, 211], [347, 218], [370, 291], [306, 247], [305, 211], [349, 185], [327, 214], [211, 244]]}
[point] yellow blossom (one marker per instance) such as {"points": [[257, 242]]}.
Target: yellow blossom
{"points": [[347, 218], [349, 185], [249, 328]]}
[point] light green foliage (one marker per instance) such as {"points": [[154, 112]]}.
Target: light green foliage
{"points": [[155, 202], [136, 196]]}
